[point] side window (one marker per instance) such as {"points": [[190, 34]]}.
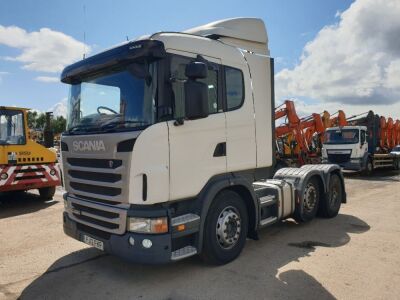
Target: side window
{"points": [[178, 65], [234, 88], [363, 138]]}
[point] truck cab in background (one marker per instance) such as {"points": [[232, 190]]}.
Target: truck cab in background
{"points": [[356, 148], [169, 148], [346, 146]]}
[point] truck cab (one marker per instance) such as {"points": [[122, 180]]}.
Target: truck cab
{"points": [[169, 147], [346, 146]]}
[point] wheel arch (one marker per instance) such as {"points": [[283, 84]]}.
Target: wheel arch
{"points": [[221, 183]]}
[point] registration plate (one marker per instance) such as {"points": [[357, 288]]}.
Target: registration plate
{"points": [[93, 242]]}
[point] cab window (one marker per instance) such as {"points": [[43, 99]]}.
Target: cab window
{"points": [[234, 88], [178, 78], [12, 127], [363, 137]]}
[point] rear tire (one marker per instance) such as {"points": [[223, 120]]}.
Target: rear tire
{"points": [[225, 229], [396, 165], [307, 209], [47, 193], [330, 205]]}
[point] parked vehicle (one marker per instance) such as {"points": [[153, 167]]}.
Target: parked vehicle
{"points": [[170, 146], [363, 145], [25, 164]]}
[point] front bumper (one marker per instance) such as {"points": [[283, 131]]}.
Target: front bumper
{"points": [[353, 165], [119, 245], [177, 244]]}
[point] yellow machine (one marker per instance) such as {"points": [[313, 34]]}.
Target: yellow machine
{"points": [[24, 164]]}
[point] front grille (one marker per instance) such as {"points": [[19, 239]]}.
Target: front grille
{"points": [[104, 177], [29, 177], [95, 189], [95, 163], [102, 217], [96, 200], [339, 158]]}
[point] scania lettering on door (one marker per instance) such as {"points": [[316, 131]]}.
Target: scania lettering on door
{"points": [[83, 146]]}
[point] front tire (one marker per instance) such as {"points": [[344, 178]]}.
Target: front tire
{"points": [[330, 206], [47, 193], [225, 229], [307, 209], [368, 168]]}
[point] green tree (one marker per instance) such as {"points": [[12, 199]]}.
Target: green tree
{"points": [[32, 116], [59, 124]]}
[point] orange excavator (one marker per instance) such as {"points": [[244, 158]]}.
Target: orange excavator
{"points": [[314, 132], [339, 120], [296, 135]]}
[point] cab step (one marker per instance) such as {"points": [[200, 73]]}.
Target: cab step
{"points": [[183, 253], [268, 221]]}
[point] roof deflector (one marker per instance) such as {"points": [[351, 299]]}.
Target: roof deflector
{"points": [[245, 33]]}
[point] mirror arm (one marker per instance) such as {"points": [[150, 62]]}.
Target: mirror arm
{"points": [[179, 122]]}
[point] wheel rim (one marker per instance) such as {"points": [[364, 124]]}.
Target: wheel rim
{"points": [[228, 227], [310, 197]]}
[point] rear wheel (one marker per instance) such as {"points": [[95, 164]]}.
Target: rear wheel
{"points": [[329, 207], [308, 207], [396, 164], [47, 193], [225, 229]]}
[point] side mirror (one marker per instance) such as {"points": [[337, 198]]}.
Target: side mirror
{"points": [[196, 93]]}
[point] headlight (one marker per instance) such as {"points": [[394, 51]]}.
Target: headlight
{"points": [[3, 176], [147, 225], [52, 172]]}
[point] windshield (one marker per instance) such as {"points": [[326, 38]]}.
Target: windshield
{"points": [[120, 100], [397, 149], [344, 136], [12, 127]]}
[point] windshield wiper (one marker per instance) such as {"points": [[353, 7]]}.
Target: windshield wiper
{"points": [[112, 125], [74, 129]]}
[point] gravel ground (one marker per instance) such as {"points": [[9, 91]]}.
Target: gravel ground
{"points": [[353, 256]]}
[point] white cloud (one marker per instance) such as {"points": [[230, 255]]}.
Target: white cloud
{"points": [[354, 63], [47, 79], [44, 50], [60, 108]]}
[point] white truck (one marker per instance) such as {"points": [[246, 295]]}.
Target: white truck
{"points": [[169, 148], [359, 146]]}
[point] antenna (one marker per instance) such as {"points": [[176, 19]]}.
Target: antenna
{"points": [[84, 31]]}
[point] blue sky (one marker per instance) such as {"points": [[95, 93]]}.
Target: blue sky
{"points": [[290, 25]]}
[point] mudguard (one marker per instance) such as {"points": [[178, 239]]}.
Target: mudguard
{"points": [[209, 192], [300, 176]]}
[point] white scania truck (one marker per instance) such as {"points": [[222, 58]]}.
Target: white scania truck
{"points": [[169, 149]]}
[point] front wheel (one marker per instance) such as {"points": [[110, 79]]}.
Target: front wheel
{"points": [[225, 229], [368, 168], [47, 193]]}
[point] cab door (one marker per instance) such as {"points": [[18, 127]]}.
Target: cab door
{"points": [[197, 147]]}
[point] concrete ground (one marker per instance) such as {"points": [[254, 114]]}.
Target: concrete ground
{"points": [[355, 255]]}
